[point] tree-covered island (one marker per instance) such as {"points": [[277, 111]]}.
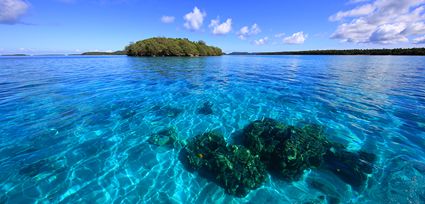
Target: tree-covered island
{"points": [[161, 46]]}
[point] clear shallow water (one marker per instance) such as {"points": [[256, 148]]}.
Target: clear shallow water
{"points": [[74, 129]]}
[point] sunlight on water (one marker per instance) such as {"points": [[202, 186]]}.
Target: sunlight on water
{"points": [[75, 129]]}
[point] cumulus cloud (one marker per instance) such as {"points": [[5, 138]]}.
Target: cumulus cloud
{"points": [[359, 11], [261, 41], [296, 38], [221, 28], [246, 31], [12, 10], [194, 19], [419, 40], [381, 22], [167, 19]]}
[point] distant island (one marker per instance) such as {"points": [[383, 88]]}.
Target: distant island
{"points": [[397, 51], [161, 46], [120, 52], [15, 55]]}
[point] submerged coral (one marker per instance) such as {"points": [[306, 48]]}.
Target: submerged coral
{"points": [[166, 137], [286, 150], [232, 167]]}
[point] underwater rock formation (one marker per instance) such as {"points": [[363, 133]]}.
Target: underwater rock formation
{"points": [[286, 150], [351, 167], [166, 137], [232, 167], [206, 108]]}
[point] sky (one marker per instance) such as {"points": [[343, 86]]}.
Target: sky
{"points": [[75, 26]]}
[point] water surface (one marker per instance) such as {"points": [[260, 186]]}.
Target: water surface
{"points": [[74, 129]]}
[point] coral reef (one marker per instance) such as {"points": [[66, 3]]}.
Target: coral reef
{"points": [[286, 150], [166, 137], [232, 167]]}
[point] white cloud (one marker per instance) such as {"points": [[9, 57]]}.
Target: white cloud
{"points": [[381, 21], [167, 19], [419, 40], [245, 31], [221, 29], [12, 10], [279, 35], [261, 41], [359, 11], [296, 38], [388, 33], [194, 19]]}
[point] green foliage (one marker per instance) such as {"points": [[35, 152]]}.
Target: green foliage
{"points": [[171, 47]]}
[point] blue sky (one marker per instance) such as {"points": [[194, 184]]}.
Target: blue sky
{"points": [[74, 26]]}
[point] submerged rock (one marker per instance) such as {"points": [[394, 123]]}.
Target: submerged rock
{"points": [[352, 167], [286, 150], [166, 137], [206, 108], [232, 167]]}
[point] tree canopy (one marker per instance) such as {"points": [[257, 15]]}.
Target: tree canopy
{"points": [[160, 46]]}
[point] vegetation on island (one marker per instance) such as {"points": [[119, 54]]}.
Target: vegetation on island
{"points": [[397, 51], [161, 46], [15, 55]]}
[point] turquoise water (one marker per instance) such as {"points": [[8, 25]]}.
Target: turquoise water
{"points": [[74, 129]]}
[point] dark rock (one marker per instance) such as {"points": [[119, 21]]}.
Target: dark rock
{"points": [[166, 137], [206, 108], [352, 167], [286, 150], [232, 167]]}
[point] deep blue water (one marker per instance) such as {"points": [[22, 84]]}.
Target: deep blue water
{"points": [[74, 129]]}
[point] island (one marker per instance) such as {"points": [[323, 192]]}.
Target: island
{"points": [[120, 52], [161, 46], [396, 51], [15, 55]]}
